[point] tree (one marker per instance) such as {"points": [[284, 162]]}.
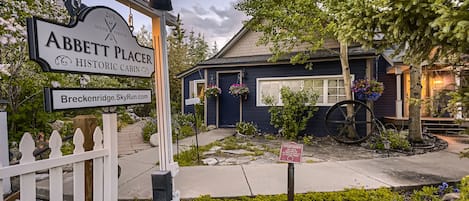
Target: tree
{"points": [[21, 81], [287, 25], [423, 31]]}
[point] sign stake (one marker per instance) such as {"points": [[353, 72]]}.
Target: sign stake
{"points": [[291, 181]]}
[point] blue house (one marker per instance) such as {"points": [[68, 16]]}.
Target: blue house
{"points": [[241, 61]]}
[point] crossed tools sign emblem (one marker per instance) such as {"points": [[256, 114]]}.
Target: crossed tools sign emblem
{"points": [[111, 25]]}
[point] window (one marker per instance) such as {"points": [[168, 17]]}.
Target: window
{"points": [[329, 88], [196, 88]]}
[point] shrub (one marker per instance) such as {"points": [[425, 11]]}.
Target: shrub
{"points": [[246, 128], [426, 193], [291, 118], [148, 130], [308, 140], [464, 188], [398, 140]]}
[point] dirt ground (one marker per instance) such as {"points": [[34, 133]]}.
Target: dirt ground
{"points": [[259, 150]]}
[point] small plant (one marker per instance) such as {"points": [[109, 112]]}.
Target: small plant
{"points": [[308, 140], [239, 90], [367, 89], [292, 118], [397, 140], [464, 188], [426, 193], [212, 91], [148, 130], [246, 128]]}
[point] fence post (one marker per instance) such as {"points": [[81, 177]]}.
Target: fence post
{"points": [[87, 124], [110, 161], [4, 151]]}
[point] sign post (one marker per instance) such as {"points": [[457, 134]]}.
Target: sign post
{"points": [[195, 101], [291, 153]]}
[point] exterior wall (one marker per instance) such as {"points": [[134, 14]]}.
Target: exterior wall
{"points": [[386, 104], [194, 76], [261, 116], [246, 46]]}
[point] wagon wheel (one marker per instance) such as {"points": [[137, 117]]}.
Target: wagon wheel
{"points": [[349, 129]]}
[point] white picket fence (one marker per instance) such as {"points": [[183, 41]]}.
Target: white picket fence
{"points": [[104, 156]]}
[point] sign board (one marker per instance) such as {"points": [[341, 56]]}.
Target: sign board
{"points": [[291, 152], [62, 99], [99, 42], [192, 101]]}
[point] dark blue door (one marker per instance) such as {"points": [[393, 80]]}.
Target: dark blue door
{"points": [[228, 105]]}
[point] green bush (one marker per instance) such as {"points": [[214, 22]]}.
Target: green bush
{"points": [[148, 130], [246, 128], [426, 194], [398, 140], [292, 118], [464, 188], [382, 194]]}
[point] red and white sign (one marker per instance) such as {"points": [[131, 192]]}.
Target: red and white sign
{"points": [[291, 152]]}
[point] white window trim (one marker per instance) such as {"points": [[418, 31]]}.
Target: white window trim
{"points": [[325, 87], [194, 87]]}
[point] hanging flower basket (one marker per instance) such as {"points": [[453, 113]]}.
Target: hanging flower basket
{"points": [[367, 89], [239, 90], [212, 91]]}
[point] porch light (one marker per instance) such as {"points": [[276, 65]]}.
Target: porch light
{"points": [[3, 105], [161, 4]]}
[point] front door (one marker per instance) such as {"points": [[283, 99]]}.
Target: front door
{"points": [[228, 105]]}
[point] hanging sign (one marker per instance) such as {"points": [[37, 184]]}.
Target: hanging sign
{"points": [[62, 99], [99, 42]]}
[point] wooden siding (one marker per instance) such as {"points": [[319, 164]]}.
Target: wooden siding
{"points": [[246, 46], [194, 76], [386, 104], [260, 115]]}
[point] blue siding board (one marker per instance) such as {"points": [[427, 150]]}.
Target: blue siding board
{"points": [[194, 76], [386, 104]]}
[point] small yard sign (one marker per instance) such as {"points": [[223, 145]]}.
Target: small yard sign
{"points": [[291, 152], [192, 101]]}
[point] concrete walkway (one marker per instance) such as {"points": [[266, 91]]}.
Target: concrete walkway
{"points": [[268, 179], [135, 179], [130, 140]]}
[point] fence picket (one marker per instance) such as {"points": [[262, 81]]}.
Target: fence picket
{"points": [[98, 176], [27, 181], [1, 184], [79, 168], [55, 174]]}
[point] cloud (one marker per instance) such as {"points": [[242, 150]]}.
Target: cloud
{"points": [[215, 23]]}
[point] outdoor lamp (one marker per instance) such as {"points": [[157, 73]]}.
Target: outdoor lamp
{"points": [[3, 105], [387, 145], [161, 4]]}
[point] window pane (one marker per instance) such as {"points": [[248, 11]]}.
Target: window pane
{"points": [[342, 98], [200, 88], [341, 83], [309, 84], [332, 83], [332, 99], [318, 83], [320, 99], [332, 91], [341, 91]]}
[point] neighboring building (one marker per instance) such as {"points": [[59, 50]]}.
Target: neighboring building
{"points": [[241, 61]]}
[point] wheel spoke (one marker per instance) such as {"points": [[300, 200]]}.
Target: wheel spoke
{"points": [[363, 122], [343, 113], [337, 121]]}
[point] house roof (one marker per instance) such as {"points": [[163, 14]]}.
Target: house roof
{"points": [[259, 60]]}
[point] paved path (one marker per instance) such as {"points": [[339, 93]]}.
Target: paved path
{"points": [[130, 140], [268, 179], [137, 168]]}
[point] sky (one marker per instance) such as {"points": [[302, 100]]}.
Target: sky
{"points": [[216, 20]]}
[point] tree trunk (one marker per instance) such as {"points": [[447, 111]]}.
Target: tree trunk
{"points": [[347, 84], [415, 128]]}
